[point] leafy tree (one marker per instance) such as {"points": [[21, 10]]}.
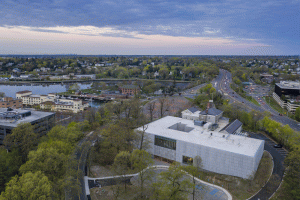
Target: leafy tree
{"points": [[122, 164], [28, 186], [172, 184], [202, 100], [140, 160], [9, 166], [71, 134], [291, 182], [297, 114], [50, 160], [23, 138]]}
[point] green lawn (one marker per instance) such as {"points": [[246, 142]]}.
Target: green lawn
{"points": [[275, 105], [252, 100]]}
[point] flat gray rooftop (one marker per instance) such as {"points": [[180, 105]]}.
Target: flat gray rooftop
{"points": [[202, 136], [289, 85], [35, 115]]}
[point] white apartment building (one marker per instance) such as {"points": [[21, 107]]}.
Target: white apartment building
{"points": [[52, 102]]}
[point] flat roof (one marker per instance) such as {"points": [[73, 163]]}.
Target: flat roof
{"points": [[22, 92], [35, 115], [289, 85], [202, 136]]}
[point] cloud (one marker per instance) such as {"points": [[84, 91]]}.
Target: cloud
{"points": [[267, 21]]}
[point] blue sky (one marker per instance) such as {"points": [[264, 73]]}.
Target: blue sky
{"points": [[210, 27]]}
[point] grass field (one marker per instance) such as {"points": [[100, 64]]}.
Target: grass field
{"points": [[252, 100], [275, 105]]}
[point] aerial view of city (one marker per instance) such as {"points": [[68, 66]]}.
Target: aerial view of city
{"points": [[150, 100]]}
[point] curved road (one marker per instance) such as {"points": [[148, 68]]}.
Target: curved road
{"points": [[222, 84], [278, 157]]}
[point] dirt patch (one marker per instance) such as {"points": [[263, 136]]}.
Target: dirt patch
{"points": [[97, 171], [173, 106]]}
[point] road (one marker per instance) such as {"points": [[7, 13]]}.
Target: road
{"points": [[278, 155], [222, 84], [192, 92], [81, 153]]}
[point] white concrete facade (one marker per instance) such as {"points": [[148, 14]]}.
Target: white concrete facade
{"points": [[220, 152], [278, 100], [186, 114], [290, 106]]}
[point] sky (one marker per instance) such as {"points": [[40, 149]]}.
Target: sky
{"points": [[150, 27]]}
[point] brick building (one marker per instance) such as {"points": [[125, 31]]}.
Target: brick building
{"points": [[129, 89], [9, 102]]}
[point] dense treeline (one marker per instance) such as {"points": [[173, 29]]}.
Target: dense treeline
{"points": [[40, 169], [186, 68]]}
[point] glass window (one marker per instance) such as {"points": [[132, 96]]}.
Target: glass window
{"points": [[165, 142], [187, 160]]}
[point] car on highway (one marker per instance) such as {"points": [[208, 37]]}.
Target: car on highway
{"points": [[278, 146]]}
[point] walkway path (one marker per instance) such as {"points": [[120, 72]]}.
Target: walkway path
{"points": [[207, 190], [278, 157]]}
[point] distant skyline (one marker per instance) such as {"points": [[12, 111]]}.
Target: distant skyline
{"points": [[153, 27]]}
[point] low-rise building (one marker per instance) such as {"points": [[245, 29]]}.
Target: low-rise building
{"points": [[64, 104], [10, 118], [52, 102], [287, 95], [129, 89], [9, 102], [182, 140], [191, 114], [85, 76]]}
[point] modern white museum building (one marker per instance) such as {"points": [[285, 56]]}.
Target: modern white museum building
{"points": [[224, 152]]}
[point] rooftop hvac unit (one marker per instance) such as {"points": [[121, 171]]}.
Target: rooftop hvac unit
{"points": [[199, 123]]}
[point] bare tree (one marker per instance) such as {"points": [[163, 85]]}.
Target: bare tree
{"points": [[151, 108], [142, 139], [164, 106]]}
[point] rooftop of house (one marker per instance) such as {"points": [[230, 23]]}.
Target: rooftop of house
{"points": [[23, 92], [185, 130], [233, 126], [193, 109], [211, 111]]}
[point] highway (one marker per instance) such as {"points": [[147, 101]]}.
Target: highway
{"points": [[222, 84]]}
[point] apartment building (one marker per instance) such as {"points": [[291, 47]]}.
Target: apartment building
{"points": [[52, 102], [65, 104], [10, 118], [129, 89], [9, 102]]}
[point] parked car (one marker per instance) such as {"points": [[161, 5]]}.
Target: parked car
{"points": [[277, 146]]}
